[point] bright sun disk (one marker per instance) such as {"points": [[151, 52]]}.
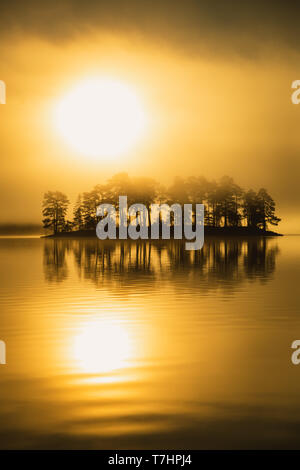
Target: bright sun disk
{"points": [[100, 118]]}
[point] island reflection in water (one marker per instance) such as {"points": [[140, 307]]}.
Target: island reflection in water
{"points": [[147, 345], [225, 260]]}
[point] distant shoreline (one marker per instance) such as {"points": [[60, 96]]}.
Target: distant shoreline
{"points": [[208, 231]]}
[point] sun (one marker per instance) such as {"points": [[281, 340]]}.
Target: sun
{"points": [[101, 117]]}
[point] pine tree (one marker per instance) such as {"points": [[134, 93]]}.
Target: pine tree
{"points": [[266, 209], [77, 214], [55, 206]]}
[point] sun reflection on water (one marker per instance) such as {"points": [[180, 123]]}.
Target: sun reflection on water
{"points": [[102, 346]]}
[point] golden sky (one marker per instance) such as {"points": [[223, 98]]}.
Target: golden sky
{"points": [[215, 84]]}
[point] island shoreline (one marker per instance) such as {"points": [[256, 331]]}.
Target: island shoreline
{"points": [[208, 232]]}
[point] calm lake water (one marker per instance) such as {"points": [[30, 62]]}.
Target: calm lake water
{"points": [[115, 346]]}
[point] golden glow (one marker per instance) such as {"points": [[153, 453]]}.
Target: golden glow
{"points": [[102, 346], [100, 118]]}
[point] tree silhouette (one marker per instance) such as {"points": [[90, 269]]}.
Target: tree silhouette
{"points": [[145, 192], [55, 205], [228, 199], [78, 222], [226, 203], [267, 209], [251, 209]]}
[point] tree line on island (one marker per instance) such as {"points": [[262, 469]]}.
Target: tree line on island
{"points": [[226, 203]]}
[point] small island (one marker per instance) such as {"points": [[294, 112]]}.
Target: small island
{"points": [[229, 209]]}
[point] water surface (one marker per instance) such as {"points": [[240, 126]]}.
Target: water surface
{"points": [[141, 345]]}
